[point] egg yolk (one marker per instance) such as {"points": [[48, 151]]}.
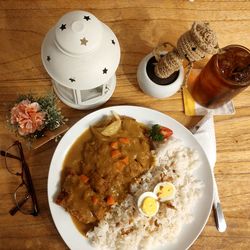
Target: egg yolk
{"points": [[149, 206], [165, 191]]}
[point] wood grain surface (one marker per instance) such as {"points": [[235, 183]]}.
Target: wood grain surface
{"points": [[139, 26]]}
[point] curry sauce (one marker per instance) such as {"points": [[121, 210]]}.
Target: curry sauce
{"points": [[98, 170]]}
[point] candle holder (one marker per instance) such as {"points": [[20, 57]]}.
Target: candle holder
{"points": [[81, 55]]}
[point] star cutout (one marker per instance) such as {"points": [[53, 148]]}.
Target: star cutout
{"points": [[104, 71], [63, 27], [83, 41], [72, 79], [87, 18], [113, 41], [48, 58], [107, 89]]}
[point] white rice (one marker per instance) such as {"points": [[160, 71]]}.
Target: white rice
{"points": [[124, 227]]}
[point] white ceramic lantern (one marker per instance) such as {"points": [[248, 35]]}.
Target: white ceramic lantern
{"points": [[81, 55]]}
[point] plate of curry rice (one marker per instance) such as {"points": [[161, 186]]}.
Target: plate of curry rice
{"points": [[111, 158]]}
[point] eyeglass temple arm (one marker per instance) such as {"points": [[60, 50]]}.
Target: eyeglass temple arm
{"points": [[3, 153], [31, 187], [20, 204], [29, 181]]}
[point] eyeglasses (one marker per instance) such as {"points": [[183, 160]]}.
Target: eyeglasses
{"points": [[24, 195]]}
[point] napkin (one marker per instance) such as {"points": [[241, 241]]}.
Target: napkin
{"points": [[205, 135]]}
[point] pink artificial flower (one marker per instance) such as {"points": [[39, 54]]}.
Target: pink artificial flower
{"points": [[28, 117]]}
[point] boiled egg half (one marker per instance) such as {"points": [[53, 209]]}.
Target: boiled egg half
{"points": [[148, 204], [165, 191]]}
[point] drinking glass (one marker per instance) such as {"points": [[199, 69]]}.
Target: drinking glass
{"points": [[225, 75]]}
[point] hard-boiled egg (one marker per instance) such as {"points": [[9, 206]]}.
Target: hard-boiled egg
{"points": [[165, 191], [148, 204]]}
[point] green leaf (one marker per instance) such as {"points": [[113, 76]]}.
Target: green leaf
{"points": [[155, 134]]}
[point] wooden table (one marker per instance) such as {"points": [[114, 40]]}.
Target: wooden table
{"points": [[139, 26]]}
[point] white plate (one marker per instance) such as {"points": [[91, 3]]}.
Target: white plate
{"points": [[62, 219]]}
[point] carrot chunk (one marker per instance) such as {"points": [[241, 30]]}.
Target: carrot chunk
{"points": [[110, 200], [125, 160], [94, 199], [119, 165], [115, 154], [114, 145], [84, 178], [59, 200], [124, 140]]}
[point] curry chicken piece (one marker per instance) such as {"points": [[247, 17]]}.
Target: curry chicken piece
{"points": [[77, 197], [108, 166]]}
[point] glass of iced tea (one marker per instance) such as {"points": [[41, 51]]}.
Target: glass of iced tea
{"points": [[224, 76]]}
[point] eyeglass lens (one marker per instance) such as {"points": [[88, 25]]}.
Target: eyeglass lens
{"points": [[13, 165], [22, 199], [22, 196]]}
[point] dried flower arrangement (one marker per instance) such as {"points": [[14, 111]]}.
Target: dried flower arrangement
{"points": [[31, 117]]}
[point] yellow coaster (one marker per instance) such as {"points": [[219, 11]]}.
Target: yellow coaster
{"points": [[189, 103]]}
